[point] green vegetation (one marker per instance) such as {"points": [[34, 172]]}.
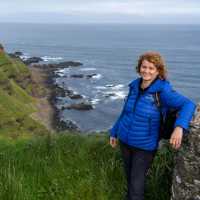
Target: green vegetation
{"points": [[71, 166], [36, 164], [16, 104]]}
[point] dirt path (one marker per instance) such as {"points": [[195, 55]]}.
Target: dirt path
{"points": [[45, 113]]}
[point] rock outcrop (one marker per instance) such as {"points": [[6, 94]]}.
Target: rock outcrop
{"points": [[1, 48], [186, 176], [80, 106], [33, 60]]}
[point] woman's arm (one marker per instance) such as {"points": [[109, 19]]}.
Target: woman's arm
{"points": [[114, 129], [186, 107]]}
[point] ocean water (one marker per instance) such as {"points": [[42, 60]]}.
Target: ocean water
{"points": [[110, 52]]}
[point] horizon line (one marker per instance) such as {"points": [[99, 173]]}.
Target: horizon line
{"points": [[94, 23]]}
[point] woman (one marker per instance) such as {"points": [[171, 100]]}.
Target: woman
{"points": [[137, 128]]}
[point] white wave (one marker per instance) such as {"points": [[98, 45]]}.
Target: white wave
{"points": [[24, 57], [95, 101], [62, 72], [119, 86], [109, 85], [97, 76], [88, 69], [100, 87], [47, 58], [118, 95], [111, 91]]}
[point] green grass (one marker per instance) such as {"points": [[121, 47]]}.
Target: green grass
{"points": [[71, 167], [160, 176], [16, 104], [13, 67], [20, 94], [14, 113]]}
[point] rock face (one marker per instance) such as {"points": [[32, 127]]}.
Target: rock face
{"points": [[1, 48], [32, 60], [54, 66], [68, 125], [186, 176], [80, 106]]}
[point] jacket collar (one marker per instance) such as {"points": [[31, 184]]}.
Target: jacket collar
{"points": [[156, 86]]}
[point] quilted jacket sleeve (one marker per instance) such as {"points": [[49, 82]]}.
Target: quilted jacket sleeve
{"points": [[115, 127], [113, 130], [185, 106]]}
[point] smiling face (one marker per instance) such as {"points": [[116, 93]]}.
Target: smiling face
{"points": [[148, 71]]}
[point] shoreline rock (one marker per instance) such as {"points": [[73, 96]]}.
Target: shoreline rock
{"points": [[47, 73], [55, 66], [31, 60], [80, 106]]}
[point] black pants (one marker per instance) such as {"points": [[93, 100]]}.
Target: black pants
{"points": [[136, 164]]}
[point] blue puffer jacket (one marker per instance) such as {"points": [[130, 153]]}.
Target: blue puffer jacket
{"points": [[139, 122]]}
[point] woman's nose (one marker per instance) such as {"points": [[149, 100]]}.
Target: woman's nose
{"points": [[146, 70]]}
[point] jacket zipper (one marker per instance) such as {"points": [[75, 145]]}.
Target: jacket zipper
{"points": [[138, 96]]}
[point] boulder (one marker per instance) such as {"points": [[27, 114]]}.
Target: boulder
{"points": [[28, 61], [80, 106], [68, 125], [59, 92], [69, 64], [77, 76], [1, 47], [18, 53], [55, 66], [75, 96], [90, 75], [186, 174]]}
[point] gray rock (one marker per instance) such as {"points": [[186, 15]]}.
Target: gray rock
{"points": [[186, 175], [1, 48], [18, 53], [80, 106], [90, 75], [33, 60], [75, 96], [61, 65], [68, 125], [72, 95], [69, 64], [77, 76]]}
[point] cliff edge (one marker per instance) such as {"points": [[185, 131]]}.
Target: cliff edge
{"points": [[186, 176]]}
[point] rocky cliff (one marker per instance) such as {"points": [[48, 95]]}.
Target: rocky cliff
{"points": [[186, 176]]}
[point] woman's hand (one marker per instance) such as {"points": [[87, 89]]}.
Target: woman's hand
{"points": [[113, 142], [176, 137]]}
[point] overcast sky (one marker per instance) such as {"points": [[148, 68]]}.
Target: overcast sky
{"points": [[100, 11]]}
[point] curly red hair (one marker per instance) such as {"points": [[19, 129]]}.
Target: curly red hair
{"points": [[156, 59]]}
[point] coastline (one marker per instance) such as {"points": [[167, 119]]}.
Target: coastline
{"points": [[48, 114]]}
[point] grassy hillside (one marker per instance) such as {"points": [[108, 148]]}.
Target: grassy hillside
{"points": [[16, 103]]}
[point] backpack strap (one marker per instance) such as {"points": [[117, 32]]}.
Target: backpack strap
{"points": [[156, 97], [159, 105], [157, 101]]}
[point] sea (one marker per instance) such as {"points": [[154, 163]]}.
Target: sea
{"points": [[109, 53]]}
